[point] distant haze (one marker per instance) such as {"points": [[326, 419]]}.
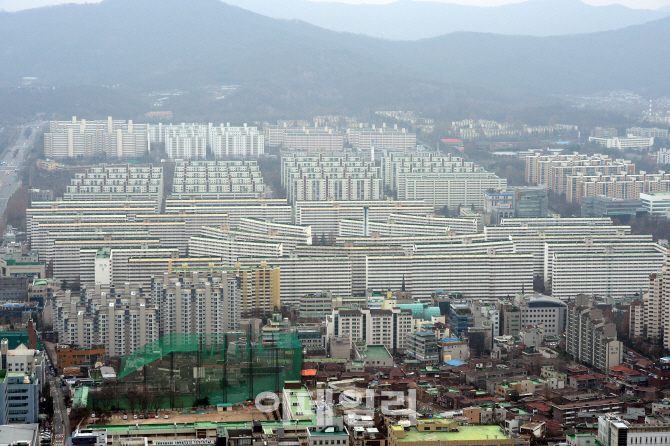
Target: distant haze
{"points": [[16, 5]]}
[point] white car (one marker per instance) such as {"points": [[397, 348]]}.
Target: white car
{"points": [[166, 417], [125, 417]]}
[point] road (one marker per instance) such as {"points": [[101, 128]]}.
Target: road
{"points": [[61, 427], [9, 176]]}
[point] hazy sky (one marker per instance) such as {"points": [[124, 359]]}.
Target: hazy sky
{"points": [[15, 5]]}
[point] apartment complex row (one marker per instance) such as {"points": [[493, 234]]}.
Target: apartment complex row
{"points": [[115, 139], [239, 179], [321, 178], [117, 182], [189, 140]]}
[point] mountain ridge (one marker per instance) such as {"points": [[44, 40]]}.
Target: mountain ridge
{"points": [[151, 45], [412, 20]]}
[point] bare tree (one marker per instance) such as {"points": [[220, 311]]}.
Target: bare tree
{"points": [[132, 397]]}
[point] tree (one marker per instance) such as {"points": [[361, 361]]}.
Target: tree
{"points": [[156, 401], [477, 343], [132, 399]]}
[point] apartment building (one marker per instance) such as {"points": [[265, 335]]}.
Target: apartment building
{"points": [[567, 414], [505, 232], [487, 277], [357, 257], [422, 346], [389, 328], [648, 318], [553, 170], [237, 142], [307, 275], [536, 245], [137, 265], [238, 179], [197, 302], [120, 318], [115, 139], [449, 189], [605, 272], [410, 243], [276, 211], [324, 217], [117, 182], [305, 139], [590, 339], [466, 225], [185, 142], [363, 228], [327, 177], [24, 360], [365, 139], [218, 242]]}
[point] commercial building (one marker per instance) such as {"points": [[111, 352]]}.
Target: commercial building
{"points": [[327, 177], [446, 432], [71, 355], [602, 206], [117, 182], [388, 328], [604, 132], [487, 277], [20, 435], [24, 360], [614, 430], [422, 346], [647, 132], [22, 267], [663, 156], [307, 275], [533, 309], [315, 306], [607, 271], [19, 397], [115, 139], [589, 338], [13, 288], [568, 414], [631, 142], [656, 203]]}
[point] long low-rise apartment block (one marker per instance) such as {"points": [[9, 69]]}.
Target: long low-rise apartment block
{"points": [[218, 243], [363, 228], [609, 272], [466, 225], [357, 257], [307, 275], [276, 211], [408, 243], [505, 232], [324, 217], [477, 276]]}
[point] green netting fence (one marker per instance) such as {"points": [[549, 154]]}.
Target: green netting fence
{"points": [[226, 368]]}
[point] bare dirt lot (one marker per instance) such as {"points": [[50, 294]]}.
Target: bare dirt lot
{"points": [[239, 413]]}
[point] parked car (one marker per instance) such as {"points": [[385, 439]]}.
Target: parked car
{"points": [[125, 417], [134, 417], [141, 416], [166, 417]]}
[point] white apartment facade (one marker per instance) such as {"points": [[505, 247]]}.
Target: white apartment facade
{"points": [[116, 139], [389, 328]]}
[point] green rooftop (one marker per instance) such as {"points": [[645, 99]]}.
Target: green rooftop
{"points": [[465, 433], [375, 352]]}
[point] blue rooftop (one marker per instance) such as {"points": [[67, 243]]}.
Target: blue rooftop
{"points": [[455, 362], [451, 339]]}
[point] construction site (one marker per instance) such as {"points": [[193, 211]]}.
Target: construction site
{"points": [[223, 369]]}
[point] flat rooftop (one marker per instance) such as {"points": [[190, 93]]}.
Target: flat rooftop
{"points": [[465, 433], [375, 352]]}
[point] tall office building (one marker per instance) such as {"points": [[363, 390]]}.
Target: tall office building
{"points": [[116, 139]]}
